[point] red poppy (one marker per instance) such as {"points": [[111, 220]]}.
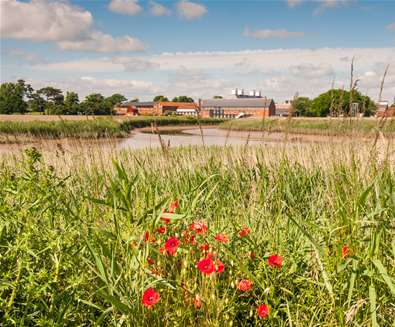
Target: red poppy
{"points": [[206, 266], [161, 230], [198, 227], [174, 205], [345, 251], [150, 298], [166, 219], [171, 245], [197, 302], [244, 285], [275, 261], [263, 311], [146, 236], [244, 232], [150, 261], [204, 247], [219, 266], [221, 238]]}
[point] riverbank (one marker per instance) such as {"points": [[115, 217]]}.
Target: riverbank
{"points": [[14, 130], [366, 127]]}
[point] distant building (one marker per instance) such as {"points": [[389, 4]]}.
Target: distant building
{"points": [[384, 110], [238, 107], [160, 108], [284, 109], [125, 109]]}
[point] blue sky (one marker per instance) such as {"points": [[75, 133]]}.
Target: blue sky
{"points": [[198, 48]]}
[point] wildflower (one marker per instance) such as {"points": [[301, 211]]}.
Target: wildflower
{"points": [[206, 266], [204, 247], [345, 251], [146, 236], [150, 298], [275, 261], [150, 261], [173, 206], [244, 232], [221, 238], [198, 227], [171, 245], [219, 266], [166, 219], [197, 302], [161, 230], [263, 311], [244, 285]]}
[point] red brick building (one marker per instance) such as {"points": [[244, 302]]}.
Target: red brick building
{"points": [[232, 108], [160, 108]]}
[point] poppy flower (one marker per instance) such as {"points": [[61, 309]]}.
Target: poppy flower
{"points": [[275, 261], [166, 219], [244, 232], [206, 266], [161, 230], [173, 206], [221, 238], [345, 251], [198, 227], [204, 247], [150, 298], [219, 266], [171, 245], [263, 311], [244, 285], [197, 302], [150, 261]]}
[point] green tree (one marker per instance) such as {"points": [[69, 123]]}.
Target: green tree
{"points": [[302, 106], [12, 98], [160, 98], [71, 103], [95, 104], [36, 103], [182, 98], [52, 94], [336, 102], [115, 99], [217, 97]]}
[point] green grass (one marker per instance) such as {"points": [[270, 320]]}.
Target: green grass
{"points": [[322, 126], [92, 128], [72, 249]]}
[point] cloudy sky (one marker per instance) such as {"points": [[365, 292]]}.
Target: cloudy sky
{"points": [[198, 48]]}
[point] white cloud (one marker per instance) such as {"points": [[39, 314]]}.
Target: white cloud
{"points": [[391, 27], [42, 20], [125, 7], [70, 27], [268, 33], [294, 3], [190, 10], [331, 4], [157, 9], [279, 73], [100, 42]]}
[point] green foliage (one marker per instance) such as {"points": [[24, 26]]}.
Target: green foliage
{"points": [[12, 98], [114, 99], [217, 97], [160, 98], [182, 98], [336, 102], [72, 249], [95, 104], [71, 103], [302, 106]]}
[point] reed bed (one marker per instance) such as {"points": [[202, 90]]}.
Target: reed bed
{"points": [[297, 235]]}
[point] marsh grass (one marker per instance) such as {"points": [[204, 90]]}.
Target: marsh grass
{"points": [[321, 126], [90, 128], [72, 250]]}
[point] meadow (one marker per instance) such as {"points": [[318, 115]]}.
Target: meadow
{"points": [[275, 235]]}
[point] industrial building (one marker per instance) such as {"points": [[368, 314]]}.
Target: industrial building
{"points": [[242, 104], [159, 108]]}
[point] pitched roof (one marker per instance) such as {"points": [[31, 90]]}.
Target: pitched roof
{"points": [[237, 103]]}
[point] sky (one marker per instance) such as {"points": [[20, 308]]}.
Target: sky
{"points": [[199, 48]]}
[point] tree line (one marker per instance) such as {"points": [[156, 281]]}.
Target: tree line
{"points": [[335, 102], [20, 97]]}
